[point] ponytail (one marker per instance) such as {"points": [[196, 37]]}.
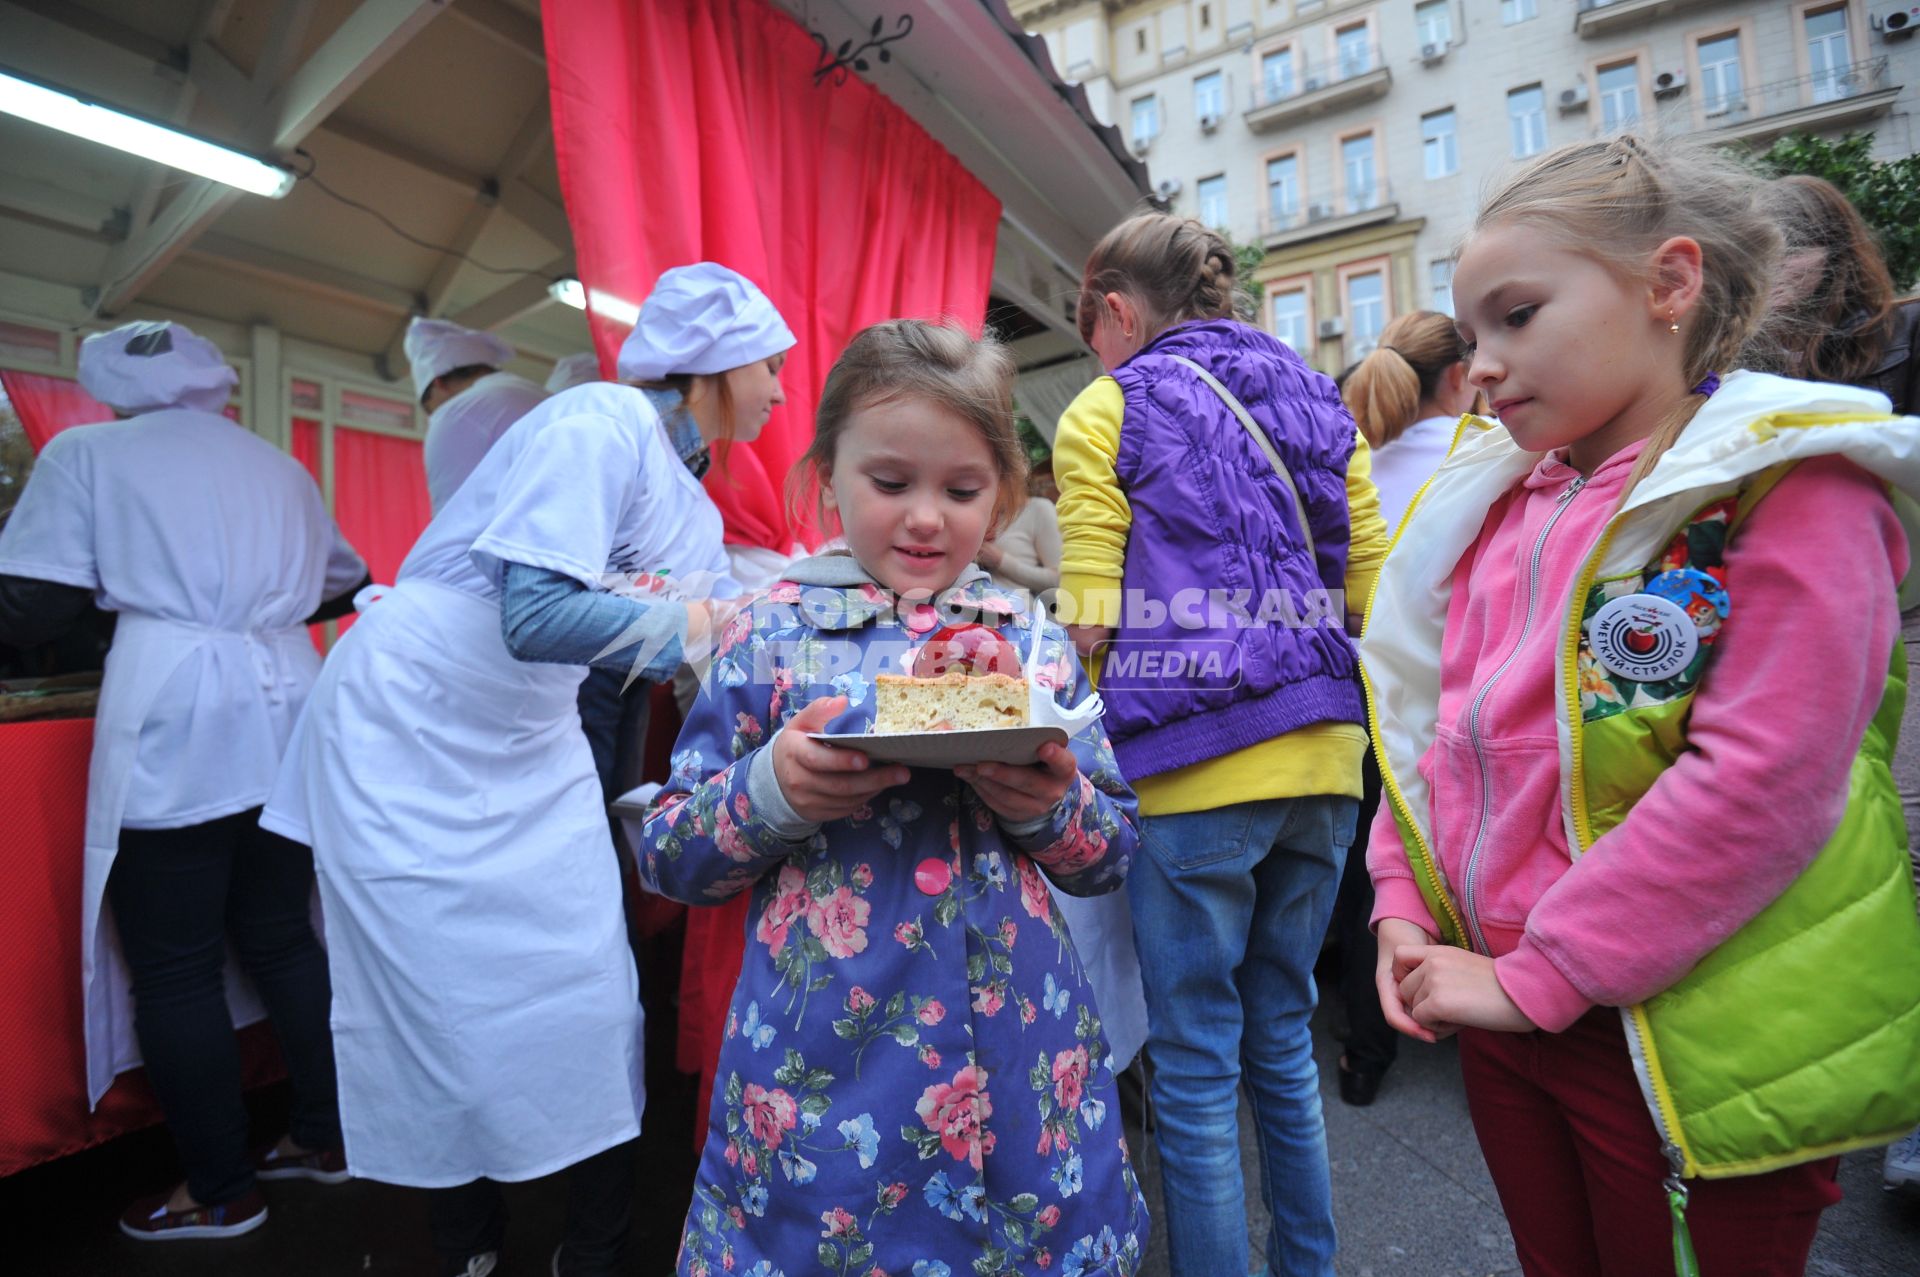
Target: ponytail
{"points": [[1386, 390]]}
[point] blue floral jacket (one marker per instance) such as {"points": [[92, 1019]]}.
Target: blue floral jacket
{"points": [[914, 1080]]}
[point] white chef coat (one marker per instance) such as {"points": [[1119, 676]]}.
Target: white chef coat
{"points": [[213, 547], [486, 1013], [462, 429]]}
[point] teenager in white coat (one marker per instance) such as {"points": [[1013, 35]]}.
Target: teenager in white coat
{"points": [[486, 1011], [215, 549], [470, 403]]}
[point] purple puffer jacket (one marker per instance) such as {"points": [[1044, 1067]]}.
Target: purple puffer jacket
{"points": [[1257, 645]]}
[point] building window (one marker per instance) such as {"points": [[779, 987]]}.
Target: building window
{"points": [[1357, 164], [1366, 312], [1206, 17], [1829, 53], [1290, 319], [1527, 120], [1440, 281], [1283, 189], [1434, 20], [1210, 95], [1146, 118], [1276, 75], [1211, 193], [1512, 11], [1619, 95], [1720, 86], [1353, 52], [1140, 39], [1439, 144]]}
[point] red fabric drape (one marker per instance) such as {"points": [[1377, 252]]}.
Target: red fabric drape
{"points": [[48, 405], [43, 1073], [691, 130], [303, 443], [379, 498]]}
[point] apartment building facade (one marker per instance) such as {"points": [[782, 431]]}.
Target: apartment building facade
{"points": [[1352, 139]]}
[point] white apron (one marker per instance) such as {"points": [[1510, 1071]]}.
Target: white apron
{"points": [[1102, 928], [486, 1011], [146, 652]]}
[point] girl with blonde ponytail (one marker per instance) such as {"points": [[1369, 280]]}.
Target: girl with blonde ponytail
{"points": [[1409, 392], [1628, 664]]}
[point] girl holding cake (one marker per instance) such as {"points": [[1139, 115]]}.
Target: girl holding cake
{"points": [[914, 1078]]}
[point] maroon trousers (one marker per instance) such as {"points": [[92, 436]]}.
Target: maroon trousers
{"points": [[1578, 1166]]}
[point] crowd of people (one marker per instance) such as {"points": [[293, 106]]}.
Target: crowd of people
{"points": [[1547, 663]]}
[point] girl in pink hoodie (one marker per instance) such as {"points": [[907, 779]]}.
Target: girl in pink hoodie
{"points": [[1599, 291]]}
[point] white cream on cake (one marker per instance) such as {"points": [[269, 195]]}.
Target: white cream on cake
{"points": [[953, 702]]}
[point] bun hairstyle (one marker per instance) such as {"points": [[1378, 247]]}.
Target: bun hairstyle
{"points": [[940, 363], [1832, 312], [1385, 390], [1617, 200], [1173, 268]]}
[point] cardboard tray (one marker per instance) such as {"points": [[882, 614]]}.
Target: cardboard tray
{"points": [[1018, 746]]}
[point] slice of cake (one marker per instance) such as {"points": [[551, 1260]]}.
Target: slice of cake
{"points": [[954, 702]]}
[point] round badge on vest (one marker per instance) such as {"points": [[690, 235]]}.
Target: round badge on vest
{"points": [[1643, 637], [1699, 595]]}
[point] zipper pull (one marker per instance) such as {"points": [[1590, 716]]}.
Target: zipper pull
{"points": [[1579, 482], [1685, 1264]]}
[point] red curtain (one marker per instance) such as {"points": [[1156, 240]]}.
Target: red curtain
{"points": [[43, 1074], [379, 498], [692, 130], [303, 443], [48, 405]]}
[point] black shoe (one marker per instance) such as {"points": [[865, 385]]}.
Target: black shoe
{"points": [[1358, 1087]]}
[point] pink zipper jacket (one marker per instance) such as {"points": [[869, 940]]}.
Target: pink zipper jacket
{"points": [[1796, 677]]}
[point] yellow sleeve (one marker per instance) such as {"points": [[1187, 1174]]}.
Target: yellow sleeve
{"points": [[1095, 516], [1367, 531]]}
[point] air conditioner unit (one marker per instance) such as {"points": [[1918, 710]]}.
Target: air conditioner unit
{"points": [[1669, 83], [1896, 22], [1432, 53], [1575, 98], [1142, 144], [1168, 190], [1331, 328], [1208, 123], [1319, 212]]}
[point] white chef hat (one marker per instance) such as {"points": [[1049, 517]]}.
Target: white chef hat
{"points": [[702, 318], [436, 347], [143, 367], [574, 370]]}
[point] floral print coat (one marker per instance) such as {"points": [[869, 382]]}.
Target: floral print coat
{"points": [[914, 1080]]}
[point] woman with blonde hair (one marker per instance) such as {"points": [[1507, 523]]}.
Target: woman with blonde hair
{"points": [[1409, 392]]}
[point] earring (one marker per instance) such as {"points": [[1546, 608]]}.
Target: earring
{"points": [[1673, 325]]}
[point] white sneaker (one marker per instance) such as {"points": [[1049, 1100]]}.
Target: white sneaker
{"points": [[1902, 1167]]}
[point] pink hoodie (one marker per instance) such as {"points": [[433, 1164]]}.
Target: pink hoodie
{"points": [[1796, 676]]}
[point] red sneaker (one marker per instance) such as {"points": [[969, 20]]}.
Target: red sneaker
{"points": [[149, 1220], [326, 1166]]}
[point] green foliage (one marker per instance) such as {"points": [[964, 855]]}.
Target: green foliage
{"points": [[1886, 192], [1246, 260], [1038, 453]]}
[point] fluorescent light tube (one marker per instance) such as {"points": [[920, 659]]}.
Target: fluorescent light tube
{"points": [[58, 109], [571, 292]]}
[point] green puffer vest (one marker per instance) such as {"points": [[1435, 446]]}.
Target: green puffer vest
{"points": [[1748, 1064]]}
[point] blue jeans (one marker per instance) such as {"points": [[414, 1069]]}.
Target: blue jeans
{"points": [[1229, 907]]}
